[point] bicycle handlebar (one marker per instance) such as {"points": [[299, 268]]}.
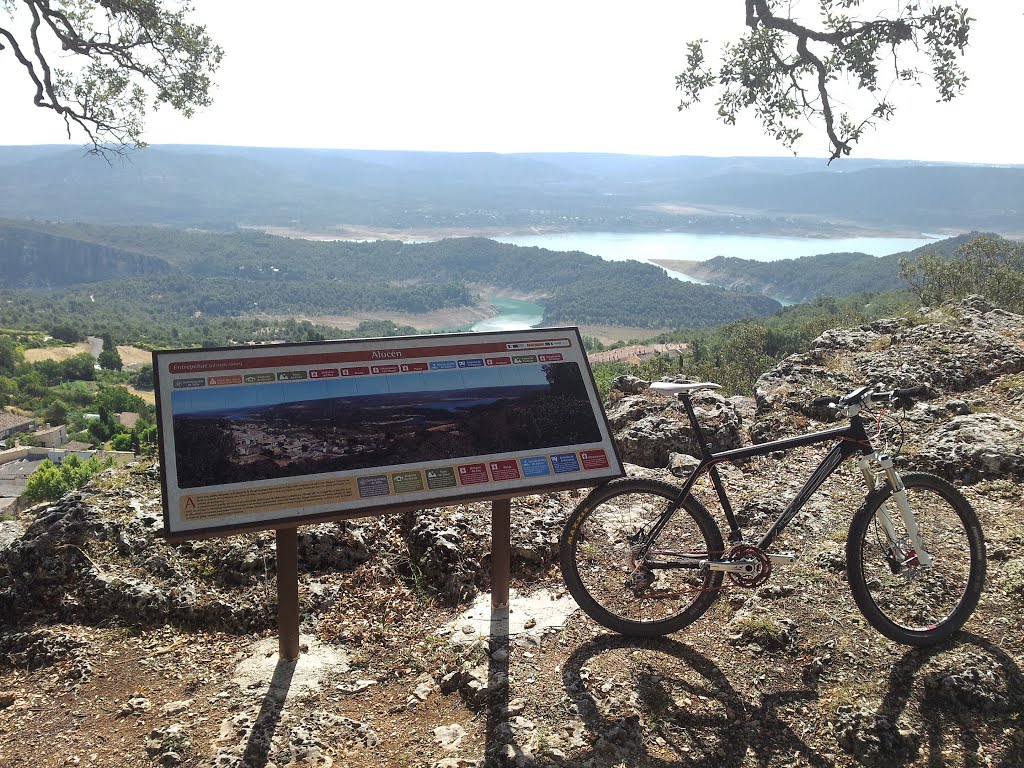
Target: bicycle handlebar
{"points": [[899, 398]]}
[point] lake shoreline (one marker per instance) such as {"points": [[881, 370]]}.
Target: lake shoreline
{"points": [[360, 233]]}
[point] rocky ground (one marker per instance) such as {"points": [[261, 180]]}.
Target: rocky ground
{"points": [[119, 650]]}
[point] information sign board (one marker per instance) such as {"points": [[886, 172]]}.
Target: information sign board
{"points": [[255, 437]]}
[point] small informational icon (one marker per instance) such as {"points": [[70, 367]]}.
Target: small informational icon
{"points": [[507, 469], [189, 383], [542, 344], [565, 462], [471, 474], [535, 466], [323, 373]]}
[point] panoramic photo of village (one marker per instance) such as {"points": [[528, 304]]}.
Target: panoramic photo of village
{"points": [[319, 427]]}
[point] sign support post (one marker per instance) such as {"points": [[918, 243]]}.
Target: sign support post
{"points": [[501, 551], [287, 594]]}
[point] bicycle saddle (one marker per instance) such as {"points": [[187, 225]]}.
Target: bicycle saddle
{"points": [[672, 388]]}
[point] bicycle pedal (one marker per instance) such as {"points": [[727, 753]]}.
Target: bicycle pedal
{"points": [[781, 558]]}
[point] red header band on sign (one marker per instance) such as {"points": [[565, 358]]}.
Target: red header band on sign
{"points": [[327, 358]]}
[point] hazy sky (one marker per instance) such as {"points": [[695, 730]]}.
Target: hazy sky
{"points": [[557, 75]]}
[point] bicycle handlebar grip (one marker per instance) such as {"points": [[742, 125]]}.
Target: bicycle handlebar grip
{"points": [[903, 399], [825, 400], [909, 392]]}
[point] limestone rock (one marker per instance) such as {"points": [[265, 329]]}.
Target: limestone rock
{"points": [[629, 385], [959, 349], [650, 428], [976, 447], [874, 739], [438, 546]]}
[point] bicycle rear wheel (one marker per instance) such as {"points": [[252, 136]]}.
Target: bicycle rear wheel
{"points": [[905, 601], [655, 597]]}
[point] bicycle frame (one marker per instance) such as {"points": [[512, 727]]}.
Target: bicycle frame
{"points": [[850, 440]]}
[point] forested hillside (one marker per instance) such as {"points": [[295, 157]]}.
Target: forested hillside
{"points": [[30, 259], [808, 277], [251, 273]]}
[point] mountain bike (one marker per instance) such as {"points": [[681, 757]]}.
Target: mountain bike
{"points": [[644, 557]]}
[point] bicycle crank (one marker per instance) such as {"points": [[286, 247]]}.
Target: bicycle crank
{"points": [[749, 566]]}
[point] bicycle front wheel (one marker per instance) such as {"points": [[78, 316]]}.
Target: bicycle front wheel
{"points": [[633, 594], [908, 602]]}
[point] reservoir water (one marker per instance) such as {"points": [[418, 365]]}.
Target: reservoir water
{"points": [[646, 246], [514, 315]]}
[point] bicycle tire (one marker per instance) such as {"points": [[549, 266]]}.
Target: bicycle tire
{"points": [[918, 606], [596, 561]]}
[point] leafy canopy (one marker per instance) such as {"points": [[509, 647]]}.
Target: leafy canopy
{"points": [[987, 265], [797, 58], [129, 55], [51, 481]]}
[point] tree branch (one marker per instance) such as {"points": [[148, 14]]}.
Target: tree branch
{"points": [[125, 49], [775, 67]]}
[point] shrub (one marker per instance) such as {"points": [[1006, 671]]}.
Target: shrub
{"points": [[51, 481]]}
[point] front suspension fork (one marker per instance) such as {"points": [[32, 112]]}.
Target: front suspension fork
{"points": [[899, 495]]}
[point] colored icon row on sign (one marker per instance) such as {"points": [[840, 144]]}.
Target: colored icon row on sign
{"points": [[440, 478], [362, 370]]}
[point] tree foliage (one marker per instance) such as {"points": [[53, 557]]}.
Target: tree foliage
{"points": [[988, 265], [127, 56], [10, 356], [143, 378], [119, 400], [254, 275], [51, 481], [795, 57], [736, 354], [110, 359]]}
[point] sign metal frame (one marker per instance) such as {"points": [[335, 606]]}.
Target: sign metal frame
{"points": [[451, 386]]}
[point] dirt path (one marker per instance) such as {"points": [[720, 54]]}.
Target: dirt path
{"points": [[56, 353], [130, 356]]}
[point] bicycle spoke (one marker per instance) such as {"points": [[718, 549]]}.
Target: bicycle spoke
{"points": [[609, 578], [907, 601]]}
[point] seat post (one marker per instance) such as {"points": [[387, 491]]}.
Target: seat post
{"points": [[735, 534], [702, 441]]}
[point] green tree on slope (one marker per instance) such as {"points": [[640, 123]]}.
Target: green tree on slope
{"points": [[988, 265]]}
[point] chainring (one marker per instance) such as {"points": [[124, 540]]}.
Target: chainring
{"points": [[762, 566]]}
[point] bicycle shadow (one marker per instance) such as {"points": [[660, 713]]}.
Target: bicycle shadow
{"points": [[957, 690], [496, 707], [696, 714], [980, 688]]}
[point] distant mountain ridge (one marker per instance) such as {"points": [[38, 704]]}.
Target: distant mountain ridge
{"points": [[224, 187]]}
